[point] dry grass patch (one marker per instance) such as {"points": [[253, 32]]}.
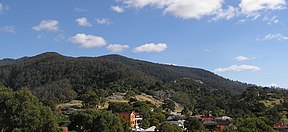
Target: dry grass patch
{"points": [[69, 104]]}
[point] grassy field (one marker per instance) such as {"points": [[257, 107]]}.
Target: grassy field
{"points": [[118, 101], [271, 103], [148, 98], [69, 104]]}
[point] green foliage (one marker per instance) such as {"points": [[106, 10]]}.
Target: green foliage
{"points": [[6, 62], [130, 94], [97, 121], [142, 106], [117, 107], [251, 125], [59, 90], [50, 103], [144, 123], [168, 104], [92, 98], [54, 78], [193, 125], [183, 98], [21, 111], [159, 116], [61, 76], [167, 127], [153, 121]]}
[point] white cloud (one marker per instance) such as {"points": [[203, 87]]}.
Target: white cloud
{"points": [[275, 36], [227, 14], [47, 25], [238, 68], [77, 9], [273, 85], [83, 22], [253, 7], [171, 64], [139, 3], [118, 9], [271, 20], [8, 29], [277, 85], [105, 21], [151, 47], [242, 58], [1, 7], [88, 41], [117, 47], [196, 9], [186, 9]]}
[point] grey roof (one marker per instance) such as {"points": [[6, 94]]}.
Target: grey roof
{"points": [[210, 123]]}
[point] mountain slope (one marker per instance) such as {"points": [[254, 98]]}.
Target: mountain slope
{"points": [[6, 62], [112, 71], [168, 73]]}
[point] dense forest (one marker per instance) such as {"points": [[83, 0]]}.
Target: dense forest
{"points": [[112, 71], [47, 79]]}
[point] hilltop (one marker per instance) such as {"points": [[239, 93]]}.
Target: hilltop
{"points": [[117, 83], [83, 73]]}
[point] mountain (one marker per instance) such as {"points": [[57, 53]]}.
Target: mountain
{"points": [[168, 73], [134, 85], [68, 76], [6, 61]]}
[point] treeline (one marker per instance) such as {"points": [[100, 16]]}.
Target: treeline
{"points": [[20, 111], [54, 78], [267, 104], [113, 71]]}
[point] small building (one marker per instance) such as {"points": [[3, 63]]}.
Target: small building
{"points": [[151, 129], [131, 117], [63, 129], [215, 124], [280, 127], [179, 123], [62, 125]]}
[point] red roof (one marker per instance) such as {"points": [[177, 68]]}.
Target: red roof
{"points": [[208, 118], [280, 125]]}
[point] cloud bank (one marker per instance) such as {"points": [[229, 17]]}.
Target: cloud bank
{"points": [[88, 41], [47, 25], [117, 47], [103, 21], [83, 21], [151, 47], [197, 9], [117, 9], [238, 68], [273, 36], [242, 58]]}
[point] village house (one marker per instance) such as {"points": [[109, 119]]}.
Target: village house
{"points": [[280, 127], [131, 117], [64, 129], [215, 124]]}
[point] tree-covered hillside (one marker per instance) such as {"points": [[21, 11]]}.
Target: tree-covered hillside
{"points": [[67, 74], [6, 62], [54, 78]]}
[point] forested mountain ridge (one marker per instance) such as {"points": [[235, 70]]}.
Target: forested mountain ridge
{"points": [[6, 61], [168, 73], [113, 71], [55, 79]]}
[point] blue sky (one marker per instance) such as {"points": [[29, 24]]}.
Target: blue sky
{"points": [[243, 40]]}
